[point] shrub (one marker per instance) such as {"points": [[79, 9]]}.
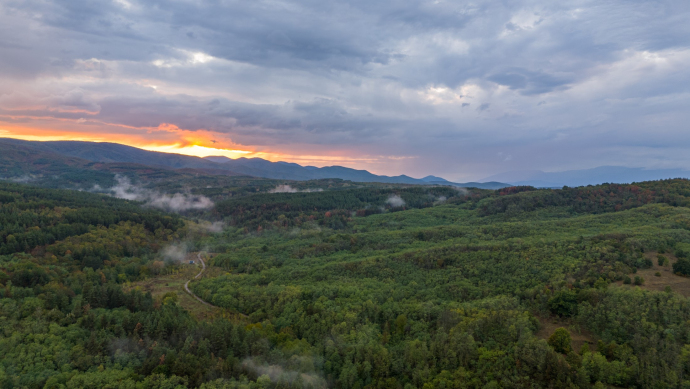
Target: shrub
{"points": [[627, 280], [639, 280], [661, 260], [657, 274]]}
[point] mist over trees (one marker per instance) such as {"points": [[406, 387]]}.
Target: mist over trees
{"points": [[344, 288]]}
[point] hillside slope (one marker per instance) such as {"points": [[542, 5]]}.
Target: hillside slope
{"points": [[381, 287]]}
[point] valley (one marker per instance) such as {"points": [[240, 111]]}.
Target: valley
{"points": [[294, 194], [353, 285]]}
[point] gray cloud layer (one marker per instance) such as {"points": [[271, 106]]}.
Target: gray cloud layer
{"points": [[465, 88]]}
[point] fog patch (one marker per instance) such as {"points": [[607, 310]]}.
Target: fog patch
{"points": [[176, 252], [214, 227], [26, 178], [395, 201], [441, 199], [279, 374], [120, 347], [283, 189], [177, 202], [180, 202], [290, 189], [125, 190]]}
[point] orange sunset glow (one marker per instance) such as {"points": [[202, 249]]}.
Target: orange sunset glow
{"points": [[222, 194], [171, 139]]}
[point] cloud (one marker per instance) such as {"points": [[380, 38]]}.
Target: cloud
{"points": [[395, 201], [565, 84], [530, 82], [176, 202]]}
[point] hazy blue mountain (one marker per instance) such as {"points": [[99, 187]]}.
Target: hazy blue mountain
{"points": [[482, 185], [595, 176], [434, 179], [286, 170], [292, 171], [257, 167]]}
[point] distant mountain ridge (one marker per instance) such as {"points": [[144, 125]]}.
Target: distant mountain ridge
{"points": [[68, 153], [594, 176], [286, 170], [257, 167]]}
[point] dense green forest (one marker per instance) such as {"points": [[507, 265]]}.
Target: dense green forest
{"points": [[364, 287]]}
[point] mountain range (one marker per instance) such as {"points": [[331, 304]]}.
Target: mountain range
{"points": [[16, 152], [256, 167], [285, 170]]}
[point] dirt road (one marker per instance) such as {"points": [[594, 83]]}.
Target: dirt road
{"points": [[186, 284]]}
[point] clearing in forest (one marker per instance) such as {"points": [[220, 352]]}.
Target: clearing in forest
{"points": [[160, 285], [678, 284]]}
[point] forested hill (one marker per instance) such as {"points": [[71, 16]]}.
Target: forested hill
{"points": [[337, 207], [367, 287], [256, 167], [468, 292], [31, 217], [113, 152], [47, 169]]}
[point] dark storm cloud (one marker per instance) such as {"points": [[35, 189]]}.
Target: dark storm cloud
{"points": [[451, 83]]}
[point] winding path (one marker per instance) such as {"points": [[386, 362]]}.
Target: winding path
{"points": [[186, 287], [186, 284]]}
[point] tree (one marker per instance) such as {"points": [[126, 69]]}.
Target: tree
{"points": [[563, 303], [584, 349], [560, 341], [682, 267]]}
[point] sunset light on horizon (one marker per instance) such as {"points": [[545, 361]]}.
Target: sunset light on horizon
{"points": [[184, 143], [345, 194]]}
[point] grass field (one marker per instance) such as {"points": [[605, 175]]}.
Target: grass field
{"points": [[678, 284]]}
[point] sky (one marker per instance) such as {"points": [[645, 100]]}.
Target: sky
{"points": [[457, 89]]}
